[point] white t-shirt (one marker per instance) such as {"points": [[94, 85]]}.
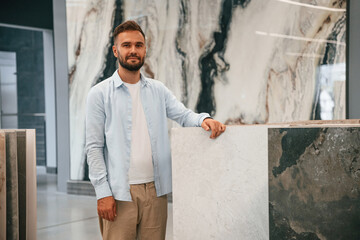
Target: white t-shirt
{"points": [[141, 165]]}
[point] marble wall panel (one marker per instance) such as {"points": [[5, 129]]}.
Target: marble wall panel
{"points": [[339, 95], [314, 183], [89, 26], [276, 50], [12, 202], [248, 61], [220, 187], [2, 186]]}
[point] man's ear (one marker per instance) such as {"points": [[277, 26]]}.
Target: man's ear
{"points": [[115, 51]]}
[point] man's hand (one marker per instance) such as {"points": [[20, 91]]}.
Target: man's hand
{"points": [[216, 127], [106, 208]]}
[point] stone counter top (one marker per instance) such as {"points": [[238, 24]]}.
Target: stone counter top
{"points": [[286, 181]]}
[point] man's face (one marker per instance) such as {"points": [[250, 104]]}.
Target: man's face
{"points": [[130, 50]]}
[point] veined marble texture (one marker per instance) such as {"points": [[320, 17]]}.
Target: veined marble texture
{"points": [[314, 183], [220, 187], [276, 49], [242, 61], [89, 28]]}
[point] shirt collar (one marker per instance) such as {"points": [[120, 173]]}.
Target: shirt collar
{"points": [[118, 82]]}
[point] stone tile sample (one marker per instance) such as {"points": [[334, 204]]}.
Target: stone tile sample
{"points": [[31, 200], [18, 179], [314, 183], [12, 204], [220, 187], [2, 186], [242, 61], [21, 159]]}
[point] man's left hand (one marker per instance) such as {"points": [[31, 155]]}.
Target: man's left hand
{"points": [[216, 127]]}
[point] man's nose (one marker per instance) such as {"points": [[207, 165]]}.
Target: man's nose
{"points": [[133, 49]]}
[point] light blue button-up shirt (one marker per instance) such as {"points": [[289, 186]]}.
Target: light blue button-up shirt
{"points": [[108, 133]]}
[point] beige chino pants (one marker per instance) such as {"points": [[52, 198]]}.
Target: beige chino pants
{"points": [[143, 218]]}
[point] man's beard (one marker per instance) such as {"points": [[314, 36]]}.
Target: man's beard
{"points": [[131, 67]]}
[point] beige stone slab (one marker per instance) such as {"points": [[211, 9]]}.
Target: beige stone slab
{"points": [[322, 122], [308, 122], [31, 184], [21, 157], [12, 219], [2, 186], [312, 123]]}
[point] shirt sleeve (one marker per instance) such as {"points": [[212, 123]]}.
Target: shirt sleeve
{"points": [[95, 142], [176, 111]]}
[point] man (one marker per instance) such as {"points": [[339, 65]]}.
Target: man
{"points": [[127, 142]]}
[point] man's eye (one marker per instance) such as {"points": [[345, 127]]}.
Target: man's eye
{"points": [[126, 45], [139, 45]]}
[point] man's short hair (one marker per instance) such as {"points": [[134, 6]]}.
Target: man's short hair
{"points": [[127, 26]]}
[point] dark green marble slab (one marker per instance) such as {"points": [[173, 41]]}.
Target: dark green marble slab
{"points": [[314, 183]]}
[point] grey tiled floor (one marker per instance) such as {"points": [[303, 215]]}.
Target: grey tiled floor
{"points": [[64, 216]]}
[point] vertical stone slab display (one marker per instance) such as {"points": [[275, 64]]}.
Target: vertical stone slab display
{"points": [[17, 184], [2, 186], [220, 187], [21, 158], [31, 184], [314, 183], [12, 214]]}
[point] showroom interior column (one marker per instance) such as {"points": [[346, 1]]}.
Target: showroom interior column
{"points": [[62, 94]]}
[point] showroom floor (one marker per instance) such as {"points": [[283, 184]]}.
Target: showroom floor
{"points": [[64, 216]]}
